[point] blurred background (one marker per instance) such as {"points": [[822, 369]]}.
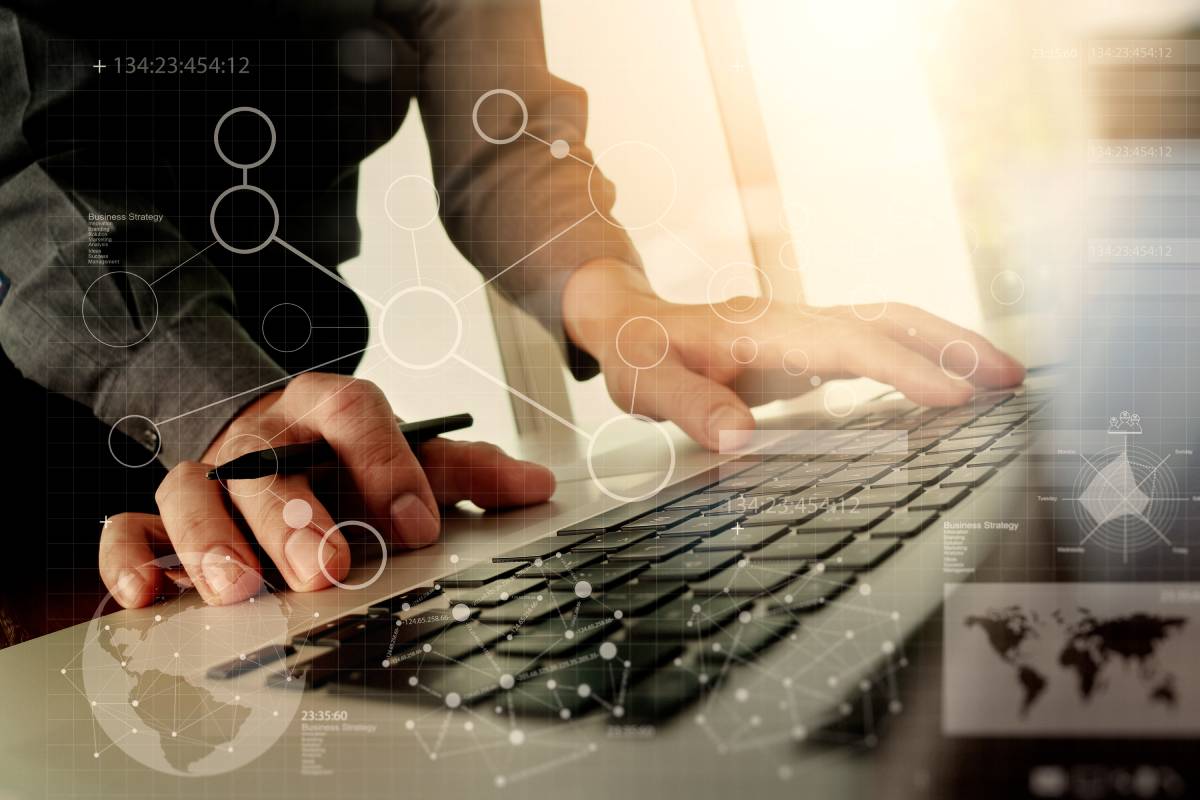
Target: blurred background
{"points": [[928, 151]]}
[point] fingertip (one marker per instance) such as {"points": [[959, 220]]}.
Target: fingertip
{"points": [[729, 429], [413, 524], [134, 588]]}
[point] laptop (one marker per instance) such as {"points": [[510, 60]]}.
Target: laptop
{"points": [[753, 627]]}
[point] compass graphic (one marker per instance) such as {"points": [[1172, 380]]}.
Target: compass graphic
{"points": [[1125, 495]]}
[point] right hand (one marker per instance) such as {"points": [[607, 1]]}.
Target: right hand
{"points": [[386, 485]]}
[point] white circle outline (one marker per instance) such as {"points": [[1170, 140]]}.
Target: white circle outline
{"points": [[457, 338], [733, 347], [591, 454], [611, 220], [1002, 273], [942, 360], [507, 93], [382, 563], [263, 327], [829, 391], [212, 219], [219, 460], [437, 202], [783, 262], [83, 309], [788, 369], [217, 137], [764, 283], [153, 455], [883, 309], [661, 327]]}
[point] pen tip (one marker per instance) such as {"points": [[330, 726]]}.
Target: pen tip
{"points": [[211, 475]]}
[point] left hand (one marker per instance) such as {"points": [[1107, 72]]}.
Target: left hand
{"points": [[703, 353]]}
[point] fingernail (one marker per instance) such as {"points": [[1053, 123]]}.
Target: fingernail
{"points": [[724, 429], [129, 587], [306, 555], [412, 521], [221, 571]]}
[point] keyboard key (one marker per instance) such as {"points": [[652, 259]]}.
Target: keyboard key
{"points": [[920, 476], [787, 510], [453, 643], [741, 641], [740, 483], [805, 547], [551, 638], [405, 600], [474, 680], [750, 578], [939, 460], [993, 458], [635, 600], [843, 519], [703, 525], [542, 548], [245, 662], [938, 499], [739, 539], [861, 555], [600, 577], [858, 475], [690, 567], [886, 496], [658, 520], [968, 476], [480, 575], [824, 495], [496, 593], [903, 524], [332, 634], [811, 592], [612, 541], [658, 549], [958, 443], [688, 618], [662, 695], [787, 485], [985, 428], [702, 500], [530, 608], [560, 566]]}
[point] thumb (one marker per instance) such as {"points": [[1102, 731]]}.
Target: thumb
{"points": [[710, 413]]}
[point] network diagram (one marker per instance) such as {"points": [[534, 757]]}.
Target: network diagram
{"points": [[130, 705]]}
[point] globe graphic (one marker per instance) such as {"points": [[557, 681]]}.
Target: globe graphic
{"points": [[144, 677]]}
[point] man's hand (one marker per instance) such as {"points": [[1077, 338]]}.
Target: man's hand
{"points": [[677, 362], [380, 482]]}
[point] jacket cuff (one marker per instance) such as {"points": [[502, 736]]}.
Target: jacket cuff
{"points": [[181, 389]]}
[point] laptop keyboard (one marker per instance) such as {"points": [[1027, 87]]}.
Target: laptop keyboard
{"points": [[587, 619]]}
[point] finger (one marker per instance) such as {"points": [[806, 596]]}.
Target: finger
{"points": [[217, 558], [290, 524], [357, 420], [957, 350], [710, 413], [839, 348], [127, 558], [484, 474]]}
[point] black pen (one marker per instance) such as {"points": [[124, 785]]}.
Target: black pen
{"points": [[292, 458]]}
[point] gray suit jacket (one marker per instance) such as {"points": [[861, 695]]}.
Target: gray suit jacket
{"points": [[184, 347]]}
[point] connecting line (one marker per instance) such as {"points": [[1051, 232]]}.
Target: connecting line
{"points": [[484, 373], [561, 233], [327, 271], [680, 241], [416, 256], [583, 161], [185, 261], [284, 379]]}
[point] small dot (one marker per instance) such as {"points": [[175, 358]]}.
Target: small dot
{"points": [[134, 703], [745, 617], [888, 647], [785, 773], [427, 648], [158, 617], [208, 627], [552, 684], [584, 690], [560, 148], [454, 558], [565, 713], [815, 380], [461, 612], [500, 781], [409, 725], [799, 732], [516, 737], [912, 331], [63, 671], [895, 707], [297, 513], [507, 681], [583, 589], [849, 634], [895, 616], [786, 683], [173, 734], [865, 590], [741, 695], [618, 711], [95, 755], [608, 651], [453, 700], [316, 614], [468, 726], [618, 614], [412, 680], [433, 756], [569, 634], [177, 656]]}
